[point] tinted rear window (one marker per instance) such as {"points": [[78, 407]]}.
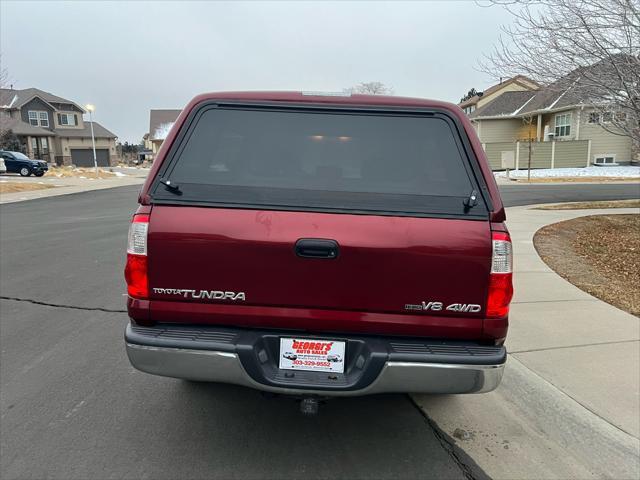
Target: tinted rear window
{"points": [[322, 160]]}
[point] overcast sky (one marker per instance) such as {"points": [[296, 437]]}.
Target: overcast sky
{"points": [[129, 57]]}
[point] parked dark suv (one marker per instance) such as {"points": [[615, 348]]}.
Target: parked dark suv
{"points": [[321, 245], [17, 162]]}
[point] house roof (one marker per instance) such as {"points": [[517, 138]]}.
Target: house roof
{"points": [[519, 79], [507, 104], [574, 89], [522, 104], [10, 98], [22, 128], [158, 118], [564, 92], [98, 131]]}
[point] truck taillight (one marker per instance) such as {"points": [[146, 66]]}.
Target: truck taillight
{"points": [[135, 273], [501, 277]]}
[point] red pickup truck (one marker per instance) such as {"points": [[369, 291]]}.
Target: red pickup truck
{"points": [[320, 245]]}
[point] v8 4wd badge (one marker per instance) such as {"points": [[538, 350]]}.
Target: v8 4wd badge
{"points": [[439, 306]]}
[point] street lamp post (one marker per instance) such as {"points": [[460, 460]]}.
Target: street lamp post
{"points": [[91, 108]]}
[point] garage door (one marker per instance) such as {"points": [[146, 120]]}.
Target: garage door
{"points": [[83, 157]]}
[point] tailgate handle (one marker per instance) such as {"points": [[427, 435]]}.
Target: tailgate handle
{"points": [[317, 248]]}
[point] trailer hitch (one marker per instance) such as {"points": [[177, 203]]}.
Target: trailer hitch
{"points": [[309, 406]]}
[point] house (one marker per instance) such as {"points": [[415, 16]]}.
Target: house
{"points": [[160, 122], [518, 83], [564, 128], [53, 128]]}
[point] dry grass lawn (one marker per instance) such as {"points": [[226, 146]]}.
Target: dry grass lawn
{"points": [[62, 172], [14, 187], [596, 204], [599, 254]]}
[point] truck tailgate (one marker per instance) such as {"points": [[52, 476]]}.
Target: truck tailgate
{"points": [[202, 259]]}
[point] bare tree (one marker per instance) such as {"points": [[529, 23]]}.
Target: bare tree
{"points": [[9, 140], [371, 88], [591, 47], [7, 137], [4, 75]]}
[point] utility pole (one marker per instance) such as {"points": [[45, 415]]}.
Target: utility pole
{"points": [[91, 108]]}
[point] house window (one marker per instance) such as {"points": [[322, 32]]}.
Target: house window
{"points": [[44, 119], [563, 125], [607, 159], [621, 117], [38, 118], [34, 144], [607, 117], [45, 145], [67, 119]]}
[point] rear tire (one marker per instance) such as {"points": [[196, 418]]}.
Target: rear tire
{"points": [[25, 172]]}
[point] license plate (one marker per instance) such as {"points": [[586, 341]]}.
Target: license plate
{"points": [[312, 355]]}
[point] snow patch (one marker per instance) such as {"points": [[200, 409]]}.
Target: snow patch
{"points": [[627, 172], [120, 174]]}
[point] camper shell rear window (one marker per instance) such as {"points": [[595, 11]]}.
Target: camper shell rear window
{"points": [[296, 158]]}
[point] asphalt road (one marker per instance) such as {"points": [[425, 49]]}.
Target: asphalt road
{"points": [[71, 406], [514, 195]]}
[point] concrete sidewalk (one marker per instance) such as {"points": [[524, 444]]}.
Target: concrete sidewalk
{"points": [[569, 404], [65, 185]]}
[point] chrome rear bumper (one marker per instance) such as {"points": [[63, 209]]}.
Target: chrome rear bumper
{"points": [[393, 377]]}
